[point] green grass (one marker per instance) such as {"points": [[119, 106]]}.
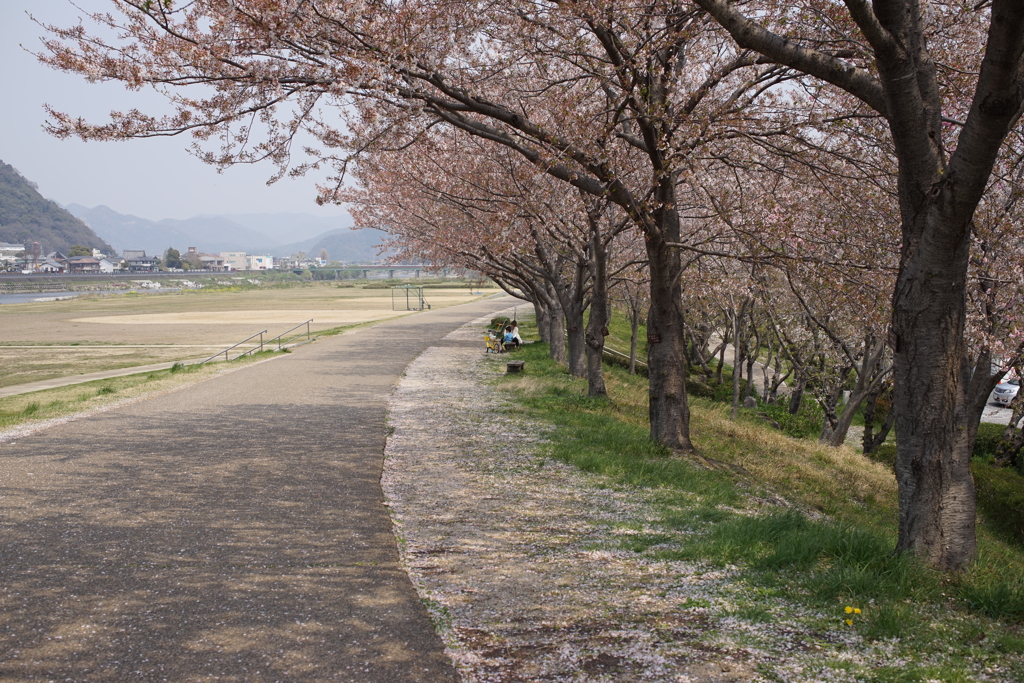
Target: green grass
{"points": [[75, 398], [832, 547]]}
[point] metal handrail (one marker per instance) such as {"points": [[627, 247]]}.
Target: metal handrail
{"points": [[607, 349], [278, 337], [225, 351], [613, 352]]}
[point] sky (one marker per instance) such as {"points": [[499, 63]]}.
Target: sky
{"points": [[150, 178]]}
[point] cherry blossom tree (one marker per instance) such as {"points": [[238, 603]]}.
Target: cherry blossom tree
{"points": [[451, 197], [611, 98], [948, 78]]}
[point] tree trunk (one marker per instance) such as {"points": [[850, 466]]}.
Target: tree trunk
{"points": [[939, 192], [838, 436], [933, 452], [577, 341], [753, 350], [737, 361], [597, 326], [634, 331], [541, 310], [828, 405], [556, 333], [871, 441], [797, 397], [869, 377], [980, 381], [666, 337], [778, 378], [721, 360]]}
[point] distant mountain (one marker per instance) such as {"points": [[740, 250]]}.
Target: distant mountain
{"points": [[217, 233], [255, 233], [125, 231], [350, 246], [206, 233], [26, 217], [290, 227]]}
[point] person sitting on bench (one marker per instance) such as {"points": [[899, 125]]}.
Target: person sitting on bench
{"points": [[509, 340], [515, 334]]}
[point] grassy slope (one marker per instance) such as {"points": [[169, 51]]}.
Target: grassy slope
{"points": [[30, 409], [804, 522]]}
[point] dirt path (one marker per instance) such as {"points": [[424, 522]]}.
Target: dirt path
{"points": [[232, 531]]}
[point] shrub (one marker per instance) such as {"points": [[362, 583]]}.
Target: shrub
{"points": [[1001, 499], [988, 438], [886, 454], [806, 423]]}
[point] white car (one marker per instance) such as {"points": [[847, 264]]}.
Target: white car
{"points": [[1005, 391]]}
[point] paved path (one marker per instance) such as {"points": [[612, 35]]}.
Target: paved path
{"points": [[232, 531]]}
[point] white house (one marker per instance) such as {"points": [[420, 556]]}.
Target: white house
{"points": [[260, 262], [9, 252], [48, 265]]}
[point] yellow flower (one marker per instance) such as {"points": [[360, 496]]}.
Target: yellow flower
{"points": [[849, 610], [856, 610], [849, 622]]}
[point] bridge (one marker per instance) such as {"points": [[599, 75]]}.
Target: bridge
{"points": [[367, 269]]}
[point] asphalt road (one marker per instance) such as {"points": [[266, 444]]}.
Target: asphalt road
{"points": [[233, 531]]}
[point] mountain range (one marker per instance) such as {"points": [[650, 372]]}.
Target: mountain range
{"points": [[277, 234], [26, 216]]}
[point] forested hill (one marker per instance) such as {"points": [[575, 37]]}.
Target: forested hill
{"points": [[26, 217]]}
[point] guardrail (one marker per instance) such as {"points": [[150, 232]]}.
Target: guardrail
{"points": [[623, 356], [225, 351], [618, 355], [278, 337]]}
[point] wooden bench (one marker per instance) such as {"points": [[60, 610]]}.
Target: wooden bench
{"points": [[515, 366]]}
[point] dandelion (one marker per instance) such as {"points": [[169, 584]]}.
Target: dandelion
{"points": [[851, 611]]}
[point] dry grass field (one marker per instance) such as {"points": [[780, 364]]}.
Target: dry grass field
{"points": [[43, 340]]}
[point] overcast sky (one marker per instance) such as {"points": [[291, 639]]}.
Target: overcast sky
{"points": [[152, 178]]}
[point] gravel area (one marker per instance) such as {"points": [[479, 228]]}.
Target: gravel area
{"points": [[516, 556]]}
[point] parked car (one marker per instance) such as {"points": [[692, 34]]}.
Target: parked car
{"points": [[1005, 391]]}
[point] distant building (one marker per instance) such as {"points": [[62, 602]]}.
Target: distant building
{"points": [[203, 261], [260, 262], [48, 265], [235, 260], [109, 265], [138, 262], [83, 264], [10, 252], [211, 262]]}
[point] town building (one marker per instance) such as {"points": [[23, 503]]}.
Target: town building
{"points": [[235, 260], [83, 264], [202, 261], [260, 262], [10, 252], [138, 262]]}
